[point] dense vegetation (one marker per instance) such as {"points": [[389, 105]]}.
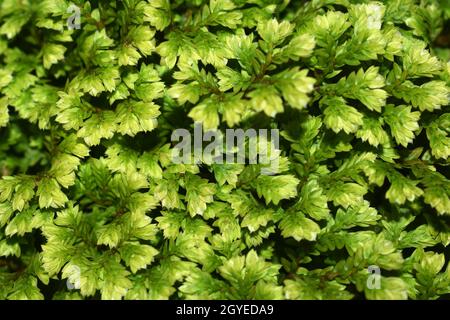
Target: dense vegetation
{"points": [[93, 207]]}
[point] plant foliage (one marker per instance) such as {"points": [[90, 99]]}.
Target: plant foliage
{"points": [[92, 206]]}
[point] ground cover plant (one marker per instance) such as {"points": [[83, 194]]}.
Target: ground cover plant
{"points": [[93, 205]]}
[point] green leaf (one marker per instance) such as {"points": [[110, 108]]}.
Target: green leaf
{"points": [[167, 193], [402, 189], [312, 201], [137, 256], [256, 269], [52, 54], [227, 223], [428, 96], [346, 194], [198, 194], [267, 100], [329, 27], [116, 283], [311, 288], [227, 173], [417, 61], [9, 248], [158, 13], [372, 131], [365, 86], [206, 113], [231, 79], [436, 192], [391, 288], [133, 117], [357, 215], [6, 77], [274, 32], [50, 194], [402, 122], [437, 134], [142, 38], [13, 23], [276, 188], [339, 116], [26, 221], [299, 46], [100, 125], [296, 225], [201, 285], [25, 288], [171, 222], [220, 12], [110, 235], [295, 85]]}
